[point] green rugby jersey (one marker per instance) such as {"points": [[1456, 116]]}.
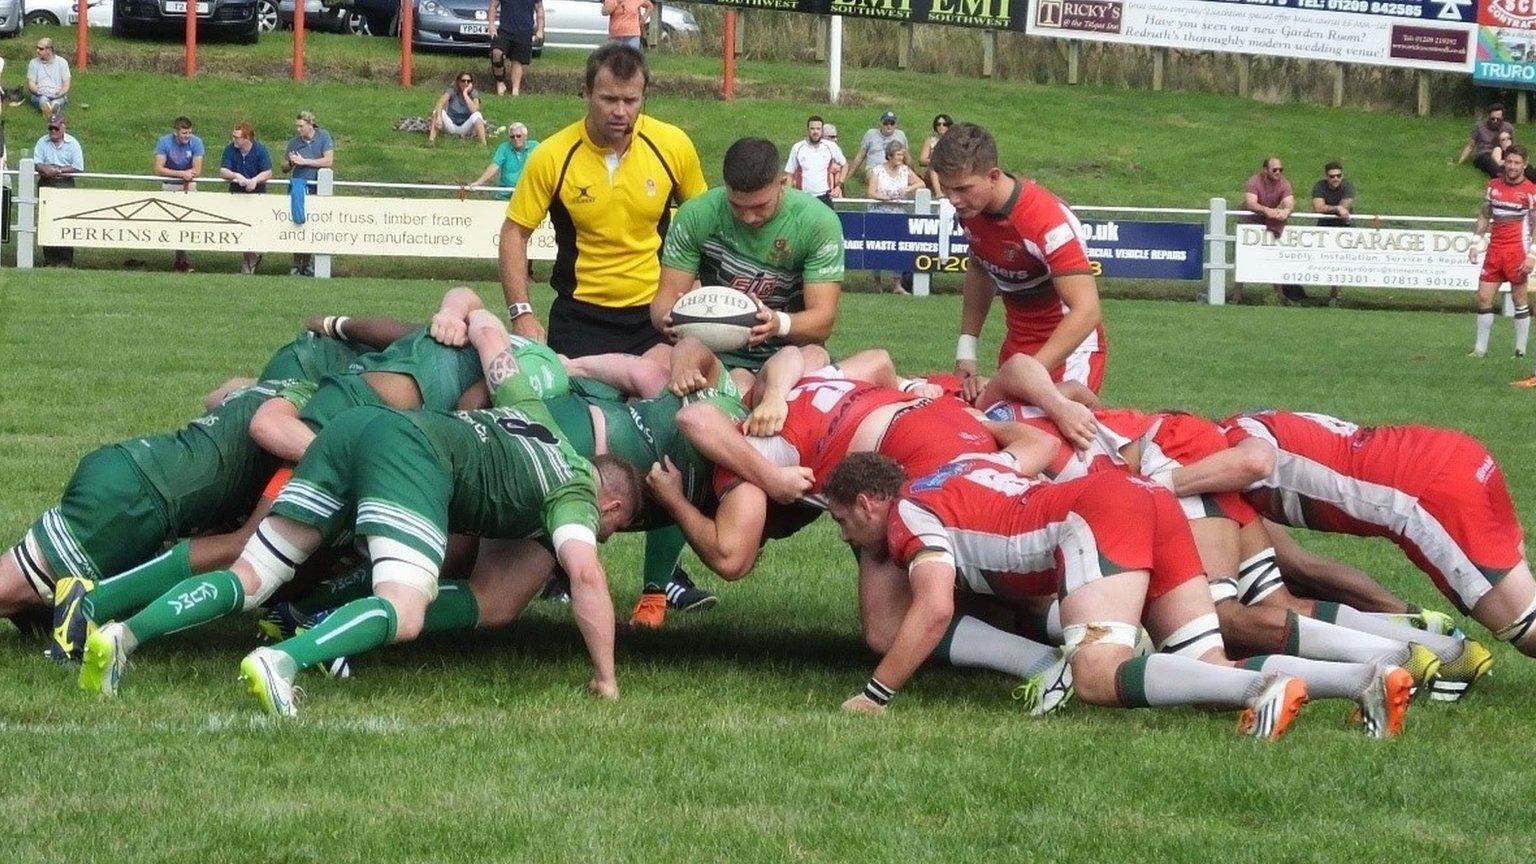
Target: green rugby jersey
{"points": [[311, 357], [210, 472], [803, 242], [441, 373]]}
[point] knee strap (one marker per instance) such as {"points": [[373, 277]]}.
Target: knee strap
{"points": [[1258, 577], [273, 559], [1482, 311], [1078, 636], [1522, 312], [1223, 590], [1521, 626], [1195, 638], [34, 567], [394, 562]]}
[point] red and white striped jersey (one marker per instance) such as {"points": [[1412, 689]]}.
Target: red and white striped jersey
{"points": [[1510, 206], [825, 410], [1117, 428], [1371, 473]]}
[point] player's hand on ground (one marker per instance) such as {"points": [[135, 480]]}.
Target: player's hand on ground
{"points": [[973, 385], [685, 381], [1077, 423], [528, 327], [665, 481], [768, 417], [766, 328], [450, 330], [788, 485], [862, 704], [603, 689]]}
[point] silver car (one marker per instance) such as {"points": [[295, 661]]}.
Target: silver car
{"points": [[461, 24], [10, 17]]}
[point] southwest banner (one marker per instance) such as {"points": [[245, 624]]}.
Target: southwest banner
{"points": [[984, 14], [1421, 34], [1506, 43]]}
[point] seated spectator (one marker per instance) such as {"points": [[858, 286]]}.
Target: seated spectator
{"points": [[57, 156], [1484, 137], [1269, 197], [1505, 139], [179, 159], [458, 111], [626, 18], [508, 161], [890, 182], [48, 79], [247, 166], [1334, 196], [309, 150]]}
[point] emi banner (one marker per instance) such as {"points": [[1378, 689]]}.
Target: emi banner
{"points": [[1366, 257], [986, 14], [1506, 43], [1118, 249], [1419, 34]]}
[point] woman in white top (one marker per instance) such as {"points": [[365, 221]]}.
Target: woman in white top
{"points": [[892, 181]]}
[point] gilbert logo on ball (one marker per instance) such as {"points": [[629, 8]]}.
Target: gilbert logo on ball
{"points": [[722, 318]]}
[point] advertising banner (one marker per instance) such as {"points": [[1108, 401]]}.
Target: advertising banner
{"points": [[1420, 34], [1506, 43], [986, 14], [1367, 257], [215, 221], [1118, 249]]}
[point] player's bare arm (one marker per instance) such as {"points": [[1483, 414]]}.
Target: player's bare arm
{"points": [[450, 325], [812, 326], [216, 397], [929, 615], [1232, 470], [728, 543], [779, 373], [494, 345], [673, 285], [374, 332], [718, 440], [1025, 379], [1032, 449], [976, 302], [1080, 294], [640, 377], [277, 428], [512, 258], [592, 607]]}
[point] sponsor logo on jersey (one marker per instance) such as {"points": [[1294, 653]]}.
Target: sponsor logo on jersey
{"points": [[583, 195], [936, 479], [1058, 237], [780, 251], [650, 187]]}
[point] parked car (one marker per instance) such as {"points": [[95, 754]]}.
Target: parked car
{"points": [[319, 15], [166, 19], [52, 13], [460, 25], [10, 17]]}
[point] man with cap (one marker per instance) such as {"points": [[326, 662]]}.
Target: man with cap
{"points": [[58, 156], [874, 142]]}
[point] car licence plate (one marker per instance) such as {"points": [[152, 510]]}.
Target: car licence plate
{"points": [[179, 7], [473, 30]]}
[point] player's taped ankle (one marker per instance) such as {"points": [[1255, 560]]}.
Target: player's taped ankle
{"points": [[396, 563], [34, 567], [1522, 312], [1521, 628], [1195, 638], [1258, 577], [878, 693], [1076, 637], [273, 559], [1223, 590], [1482, 311]]}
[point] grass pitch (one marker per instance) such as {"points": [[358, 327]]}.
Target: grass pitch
{"points": [[727, 743]]}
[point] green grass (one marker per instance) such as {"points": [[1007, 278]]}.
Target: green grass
{"points": [[727, 743]]}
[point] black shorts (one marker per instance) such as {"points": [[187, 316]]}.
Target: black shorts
{"points": [[578, 329], [518, 47]]}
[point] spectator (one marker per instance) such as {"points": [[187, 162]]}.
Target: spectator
{"points": [[247, 166], [57, 156], [517, 24], [510, 157], [891, 182], [816, 165], [48, 79], [1505, 139], [625, 20], [1484, 136], [1268, 195], [829, 133], [872, 146], [941, 124], [1334, 196], [309, 150], [179, 159], [458, 111]]}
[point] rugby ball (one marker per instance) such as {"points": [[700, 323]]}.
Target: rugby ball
{"points": [[722, 318]]}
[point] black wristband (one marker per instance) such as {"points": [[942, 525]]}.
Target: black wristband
{"points": [[878, 693]]}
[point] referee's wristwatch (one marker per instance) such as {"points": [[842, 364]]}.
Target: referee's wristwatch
{"points": [[517, 310]]}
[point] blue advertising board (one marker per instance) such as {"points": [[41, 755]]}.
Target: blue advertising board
{"points": [[1119, 249]]}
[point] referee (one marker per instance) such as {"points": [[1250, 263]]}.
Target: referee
{"points": [[608, 182]]}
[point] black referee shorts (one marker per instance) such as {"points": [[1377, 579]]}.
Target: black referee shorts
{"points": [[578, 329]]}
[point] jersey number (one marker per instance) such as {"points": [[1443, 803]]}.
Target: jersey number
{"points": [[1332, 424], [1001, 481], [525, 429], [824, 394]]}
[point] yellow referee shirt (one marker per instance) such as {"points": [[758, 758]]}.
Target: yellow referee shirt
{"points": [[609, 216]]}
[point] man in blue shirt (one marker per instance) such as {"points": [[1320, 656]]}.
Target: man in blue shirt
{"points": [[247, 166], [57, 156], [179, 159], [309, 150], [507, 164], [515, 26]]}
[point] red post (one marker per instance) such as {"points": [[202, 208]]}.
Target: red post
{"points": [[730, 54], [82, 40], [191, 38], [298, 40], [407, 27]]}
